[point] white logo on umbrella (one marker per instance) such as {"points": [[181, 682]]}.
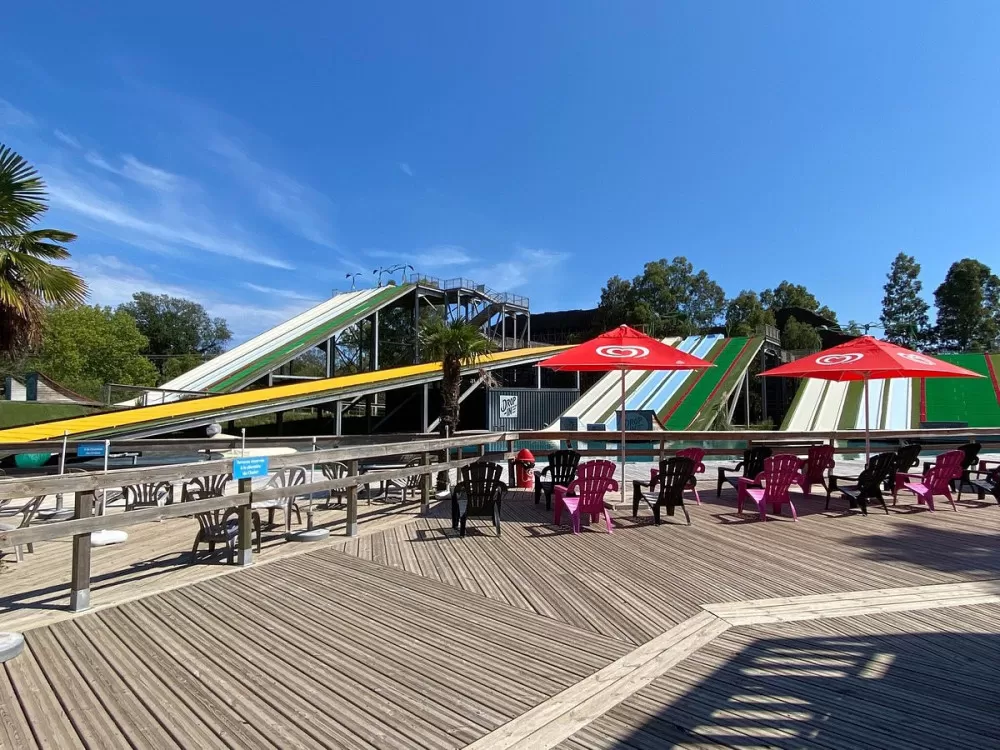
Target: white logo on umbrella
{"points": [[623, 352], [920, 359], [839, 359]]}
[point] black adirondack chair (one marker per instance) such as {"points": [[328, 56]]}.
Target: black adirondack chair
{"points": [[673, 478], [149, 495], [987, 482], [483, 492], [870, 484], [219, 526], [561, 470], [751, 465], [907, 456], [969, 465]]}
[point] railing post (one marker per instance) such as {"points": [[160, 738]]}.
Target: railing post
{"points": [[244, 547], [426, 484], [508, 450], [79, 594], [352, 500], [481, 451]]}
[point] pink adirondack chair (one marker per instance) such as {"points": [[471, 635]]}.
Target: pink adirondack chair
{"points": [[936, 481], [695, 454], [585, 494], [949, 463], [814, 470], [780, 473]]}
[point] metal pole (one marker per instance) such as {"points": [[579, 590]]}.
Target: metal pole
{"points": [[340, 417], [867, 429], [243, 441], [62, 468], [746, 397], [375, 342], [622, 425], [426, 412]]}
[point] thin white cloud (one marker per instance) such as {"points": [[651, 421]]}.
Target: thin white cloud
{"points": [[145, 174], [113, 281], [405, 169], [303, 210], [283, 293], [96, 160], [14, 117], [438, 256], [173, 225], [526, 266], [66, 138], [136, 171]]}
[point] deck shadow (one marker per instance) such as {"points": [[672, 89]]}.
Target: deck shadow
{"points": [[940, 549], [832, 692]]}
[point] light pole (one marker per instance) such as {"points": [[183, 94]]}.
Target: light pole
{"points": [[354, 279]]}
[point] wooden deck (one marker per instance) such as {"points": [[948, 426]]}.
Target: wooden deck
{"points": [[905, 680], [408, 636]]}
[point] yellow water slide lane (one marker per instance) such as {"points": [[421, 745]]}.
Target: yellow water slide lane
{"points": [[147, 414]]}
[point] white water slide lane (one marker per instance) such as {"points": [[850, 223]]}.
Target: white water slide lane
{"points": [[822, 403], [643, 389], [236, 359]]}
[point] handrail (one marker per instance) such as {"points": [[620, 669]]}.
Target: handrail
{"points": [[47, 485], [85, 522]]}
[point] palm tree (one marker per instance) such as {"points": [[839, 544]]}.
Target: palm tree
{"points": [[455, 344], [28, 280]]}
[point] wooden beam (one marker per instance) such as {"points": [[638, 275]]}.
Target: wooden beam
{"points": [[79, 594], [86, 524], [351, 522], [244, 546], [19, 487]]}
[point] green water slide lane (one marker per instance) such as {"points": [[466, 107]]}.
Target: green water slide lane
{"points": [[972, 400], [705, 385], [730, 381], [309, 339], [853, 401], [684, 388]]}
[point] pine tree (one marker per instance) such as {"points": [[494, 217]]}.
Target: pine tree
{"points": [[904, 312], [968, 303]]}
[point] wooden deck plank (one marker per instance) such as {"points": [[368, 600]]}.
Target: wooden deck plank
{"points": [[15, 730], [833, 683], [83, 708], [40, 704]]}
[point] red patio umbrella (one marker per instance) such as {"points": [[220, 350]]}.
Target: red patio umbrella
{"points": [[867, 358], [623, 349]]}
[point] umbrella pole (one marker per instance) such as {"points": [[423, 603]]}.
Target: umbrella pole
{"points": [[868, 448], [623, 436]]}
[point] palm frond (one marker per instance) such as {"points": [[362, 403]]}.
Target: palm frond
{"points": [[22, 191], [37, 278]]}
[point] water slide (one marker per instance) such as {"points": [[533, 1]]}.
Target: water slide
{"points": [[244, 364], [175, 415], [681, 399], [901, 403]]}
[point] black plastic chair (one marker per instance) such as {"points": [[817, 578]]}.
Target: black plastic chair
{"points": [[870, 483], [220, 526], [751, 465], [987, 482], [483, 491], [673, 478], [907, 456], [561, 470]]}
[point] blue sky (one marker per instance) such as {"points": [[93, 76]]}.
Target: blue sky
{"points": [[251, 154]]}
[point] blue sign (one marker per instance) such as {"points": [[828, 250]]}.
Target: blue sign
{"points": [[250, 468], [90, 450]]}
